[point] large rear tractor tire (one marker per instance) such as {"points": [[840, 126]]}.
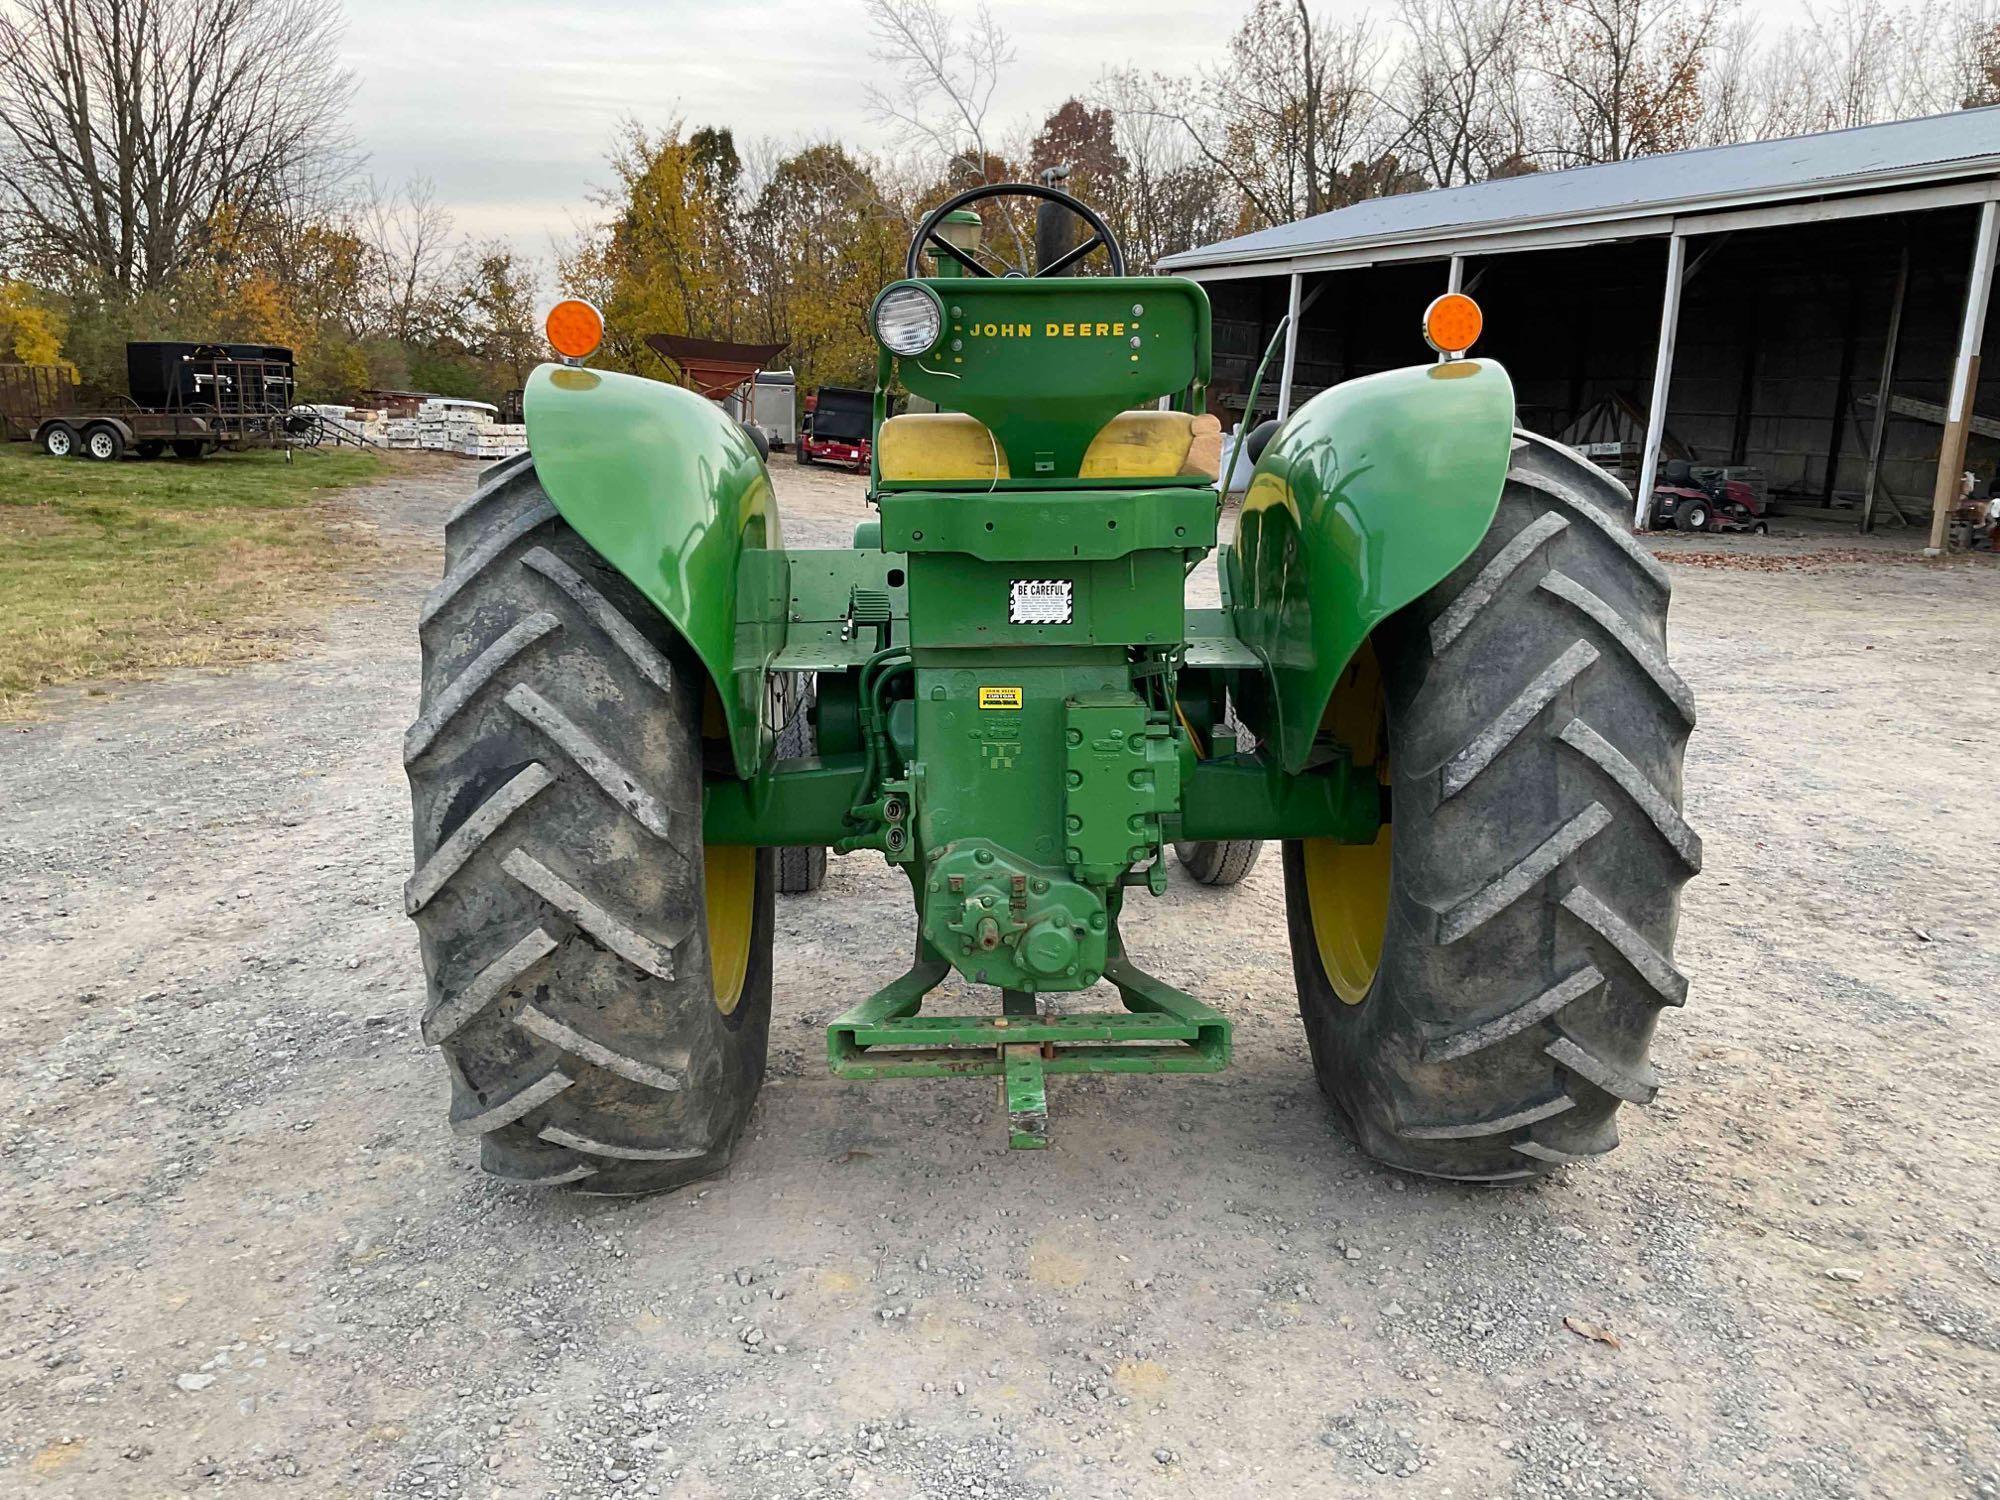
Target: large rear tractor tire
{"points": [[599, 983], [1480, 986]]}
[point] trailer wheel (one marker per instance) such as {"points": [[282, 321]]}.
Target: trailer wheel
{"points": [[599, 981], [801, 867], [58, 439], [150, 448], [1480, 986], [804, 458], [103, 442], [190, 448]]}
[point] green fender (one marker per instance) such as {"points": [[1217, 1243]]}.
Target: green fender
{"points": [[1370, 495], [673, 495]]}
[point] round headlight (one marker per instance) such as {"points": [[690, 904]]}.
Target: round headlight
{"points": [[908, 320]]}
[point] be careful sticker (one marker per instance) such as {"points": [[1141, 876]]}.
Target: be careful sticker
{"points": [[1041, 601]]}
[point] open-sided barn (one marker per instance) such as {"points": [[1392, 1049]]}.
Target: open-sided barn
{"points": [[1812, 308]]}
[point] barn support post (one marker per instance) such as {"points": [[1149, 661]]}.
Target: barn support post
{"points": [[1291, 350], [1663, 374], [1843, 392], [1750, 299], [1964, 376], [1882, 390]]}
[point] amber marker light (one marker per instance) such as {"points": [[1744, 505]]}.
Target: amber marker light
{"points": [[575, 329], [1452, 324]]}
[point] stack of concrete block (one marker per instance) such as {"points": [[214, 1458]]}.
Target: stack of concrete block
{"points": [[354, 424], [467, 431], [491, 441]]}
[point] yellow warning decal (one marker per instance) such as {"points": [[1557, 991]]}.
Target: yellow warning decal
{"points": [[999, 697]]}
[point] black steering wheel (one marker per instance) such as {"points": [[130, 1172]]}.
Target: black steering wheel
{"points": [[927, 235]]}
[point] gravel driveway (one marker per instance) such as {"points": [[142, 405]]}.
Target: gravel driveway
{"points": [[241, 1252]]}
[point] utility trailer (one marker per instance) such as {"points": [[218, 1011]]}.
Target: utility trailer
{"points": [[30, 394], [187, 399], [769, 403]]}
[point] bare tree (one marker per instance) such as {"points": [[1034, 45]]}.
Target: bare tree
{"points": [[1167, 199], [1742, 91], [418, 266], [1455, 87], [1851, 56], [1854, 62], [1621, 78], [128, 128], [1292, 122], [945, 79], [1951, 59], [1976, 60]]}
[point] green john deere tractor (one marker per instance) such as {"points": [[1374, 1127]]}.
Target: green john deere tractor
{"points": [[1438, 675]]}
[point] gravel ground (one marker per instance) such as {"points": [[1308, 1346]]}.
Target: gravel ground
{"points": [[240, 1251]]}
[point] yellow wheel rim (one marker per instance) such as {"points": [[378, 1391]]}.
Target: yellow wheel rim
{"points": [[729, 889], [1347, 885]]}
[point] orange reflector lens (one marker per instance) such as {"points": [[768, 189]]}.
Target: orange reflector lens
{"points": [[575, 328], [1452, 323]]}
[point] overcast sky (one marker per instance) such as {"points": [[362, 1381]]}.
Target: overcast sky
{"points": [[508, 106]]}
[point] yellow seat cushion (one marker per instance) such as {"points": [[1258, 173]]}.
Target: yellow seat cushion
{"points": [[1154, 445], [942, 445], [938, 445]]}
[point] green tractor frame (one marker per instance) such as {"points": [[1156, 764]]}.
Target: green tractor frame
{"points": [[1438, 676]]}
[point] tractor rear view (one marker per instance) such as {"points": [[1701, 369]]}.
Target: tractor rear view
{"points": [[1438, 676]]}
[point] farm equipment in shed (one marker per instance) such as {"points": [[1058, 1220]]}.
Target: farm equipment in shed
{"points": [[1438, 674], [1690, 498]]}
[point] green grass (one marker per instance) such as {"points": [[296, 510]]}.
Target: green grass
{"points": [[109, 569]]}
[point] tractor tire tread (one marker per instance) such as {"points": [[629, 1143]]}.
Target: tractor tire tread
{"points": [[555, 771], [1536, 738]]}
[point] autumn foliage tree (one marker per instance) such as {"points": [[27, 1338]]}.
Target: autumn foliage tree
{"points": [[821, 241], [132, 131], [1622, 77], [661, 261], [181, 168]]}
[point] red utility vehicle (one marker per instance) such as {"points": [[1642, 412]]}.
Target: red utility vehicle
{"points": [[838, 423]]}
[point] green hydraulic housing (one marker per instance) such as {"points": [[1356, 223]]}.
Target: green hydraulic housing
{"points": [[1015, 705]]}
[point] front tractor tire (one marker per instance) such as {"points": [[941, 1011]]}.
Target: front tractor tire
{"points": [[599, 983], [801, 867], [1219, 861], [1480, 987]]}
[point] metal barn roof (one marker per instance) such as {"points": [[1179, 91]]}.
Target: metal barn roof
{"points": [[1621, 199]]}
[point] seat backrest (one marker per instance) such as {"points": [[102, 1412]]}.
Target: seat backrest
{"points": [[1044, 363]]}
